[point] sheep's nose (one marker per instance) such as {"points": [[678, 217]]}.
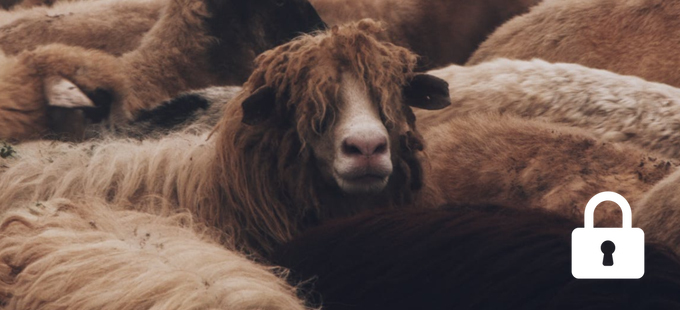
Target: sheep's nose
{"points": [[364, 146]]}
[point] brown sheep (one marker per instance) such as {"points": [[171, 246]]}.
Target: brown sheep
{"points": [[441, 31], [612, 107], [195, 44], [525, 163], [323, 128], [632, 37], [60, 254], [113, 26]]}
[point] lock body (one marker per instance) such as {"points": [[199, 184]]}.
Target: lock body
{"points": [[587, 256]]}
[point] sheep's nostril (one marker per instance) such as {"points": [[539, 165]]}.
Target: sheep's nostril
{"points": [[380, 149], [349, 149]]}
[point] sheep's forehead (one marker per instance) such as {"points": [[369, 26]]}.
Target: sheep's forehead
{"points": [[355, 101]]}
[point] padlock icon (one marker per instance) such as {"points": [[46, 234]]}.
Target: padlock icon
{"points": [[607, 252]]}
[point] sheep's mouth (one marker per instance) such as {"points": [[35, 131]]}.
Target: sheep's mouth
{"points": [[365, 183], [366, 178]]}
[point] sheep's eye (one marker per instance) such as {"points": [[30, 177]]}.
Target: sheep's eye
{"points": [[383, 117], [322, 126]]}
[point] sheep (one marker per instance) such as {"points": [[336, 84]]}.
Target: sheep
{"points": [[533, 164], [442, 32], [610, 106], [464, 257], [323, 128], [113, 26], [180, 52], [632, 37], [62, 254]]}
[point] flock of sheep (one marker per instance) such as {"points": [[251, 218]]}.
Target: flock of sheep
{"points": [[294, 154]]}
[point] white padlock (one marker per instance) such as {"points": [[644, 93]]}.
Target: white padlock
{"points": [[606, 252]]}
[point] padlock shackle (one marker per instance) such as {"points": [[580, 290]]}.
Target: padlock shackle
{"points": [[589, 214]]}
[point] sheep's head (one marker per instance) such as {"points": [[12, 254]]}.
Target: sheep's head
{"points": [[346, 98]]}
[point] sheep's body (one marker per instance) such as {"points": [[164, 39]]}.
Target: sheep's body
{"points": [[524, 163], [113, 26], [464, 258], [610, 106], [632, 37], [441, 31], [65, 255]]}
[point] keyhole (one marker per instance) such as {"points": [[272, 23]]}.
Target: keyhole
{"points": [[608, 249]]}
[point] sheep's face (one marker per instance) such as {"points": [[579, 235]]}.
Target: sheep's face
{"points": [[354, 152], [355, 139], [336, 108]]}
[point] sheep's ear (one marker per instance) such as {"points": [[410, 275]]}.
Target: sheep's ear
{"points": [[427, 92], [259, 106], [60, 92]]}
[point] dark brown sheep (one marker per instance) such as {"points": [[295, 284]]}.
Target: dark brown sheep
{"points": [[466, 257]]}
